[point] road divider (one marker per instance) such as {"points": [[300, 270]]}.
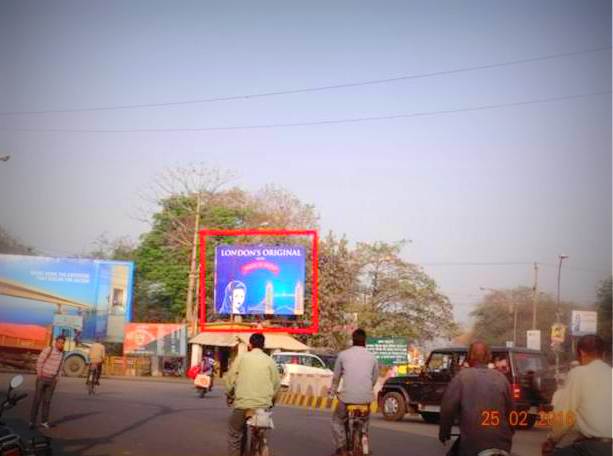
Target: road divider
{"points": [[311, 391]]}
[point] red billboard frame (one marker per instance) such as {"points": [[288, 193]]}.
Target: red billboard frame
{"points": [[312, 329]]}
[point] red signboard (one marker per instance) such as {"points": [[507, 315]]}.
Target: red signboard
{"points": [[154, 339]]}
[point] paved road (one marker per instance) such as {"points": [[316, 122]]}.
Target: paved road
{"points": [[131, 417]]}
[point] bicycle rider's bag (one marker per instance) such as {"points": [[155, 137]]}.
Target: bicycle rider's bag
{"points": [[261, 419]]}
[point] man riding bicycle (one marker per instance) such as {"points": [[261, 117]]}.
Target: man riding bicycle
{"points": [[359, 370], [251, 383], [97, 353]]}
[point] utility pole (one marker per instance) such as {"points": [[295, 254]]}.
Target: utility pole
{"points": [[535, 294], [557, 352], [189, 304]]}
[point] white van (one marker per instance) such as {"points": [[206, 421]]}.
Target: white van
{"points": [[300, 363]]}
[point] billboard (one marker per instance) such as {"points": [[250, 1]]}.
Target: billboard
{"points": [[583, 322], [155, 339], [93, 295], [259, 279]]}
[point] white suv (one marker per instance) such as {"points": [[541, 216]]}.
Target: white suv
{"points": [[300, 363]]}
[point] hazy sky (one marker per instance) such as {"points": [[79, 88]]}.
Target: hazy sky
{"points": [[514, 184]]}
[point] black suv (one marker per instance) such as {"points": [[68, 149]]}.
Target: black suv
{"points": [[532, 383]]}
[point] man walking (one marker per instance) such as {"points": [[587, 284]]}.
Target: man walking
{"points": [[48, 367], [358, 369], [475, 392], [251, 383], [584, 405]]}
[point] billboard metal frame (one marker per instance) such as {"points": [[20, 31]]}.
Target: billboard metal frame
{"points": [[312, 329]]}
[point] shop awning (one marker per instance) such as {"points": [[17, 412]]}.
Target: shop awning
{"points": [[215, 339], [274, 341]]}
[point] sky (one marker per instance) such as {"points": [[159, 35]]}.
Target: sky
{"points": [[481, 193]]}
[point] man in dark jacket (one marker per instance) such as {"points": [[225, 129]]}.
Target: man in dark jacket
{"points": [[481, 398]]}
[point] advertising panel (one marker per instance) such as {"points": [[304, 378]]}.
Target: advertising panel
{"points": [[259, 279], [92, 296], [583, 322], [153, 339]]}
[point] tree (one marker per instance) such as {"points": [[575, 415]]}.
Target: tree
{"points": [[494, 316], [8, 244], [604, 307], [337, 281], [163, 254], [395, 297], [121, 248]]}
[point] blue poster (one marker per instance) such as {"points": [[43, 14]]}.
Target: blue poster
{"points": [[35, 290], [259, 279]]}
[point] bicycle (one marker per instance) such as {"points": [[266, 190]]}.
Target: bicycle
{"points": [[356, 429], [92, 375], [257, 424]]}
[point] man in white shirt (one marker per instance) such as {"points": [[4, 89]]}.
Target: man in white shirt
{"points": [[583, 407]]}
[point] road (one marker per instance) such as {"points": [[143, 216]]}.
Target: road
{"points": [[147, 417]]}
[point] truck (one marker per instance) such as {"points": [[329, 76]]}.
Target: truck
{"points": [[43, 297], [531, 380]]}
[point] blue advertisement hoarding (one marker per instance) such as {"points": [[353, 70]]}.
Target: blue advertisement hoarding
{"points": [[35, 290], [259, 279]]}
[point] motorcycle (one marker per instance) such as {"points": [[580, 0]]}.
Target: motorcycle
{"points": [[11, 444], [203, 384]]}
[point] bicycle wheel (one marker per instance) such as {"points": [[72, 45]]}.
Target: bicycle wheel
{"points": [[264, 451], [248, 448], [356, 441]]}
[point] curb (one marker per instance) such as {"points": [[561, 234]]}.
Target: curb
{"points": [[315, 402], [130, 378]]}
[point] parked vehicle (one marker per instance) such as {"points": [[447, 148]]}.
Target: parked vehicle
{"points": [[11, 444], [532, 382], [299, 363]]}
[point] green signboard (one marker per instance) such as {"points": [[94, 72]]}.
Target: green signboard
{"points": [[390, 351]]}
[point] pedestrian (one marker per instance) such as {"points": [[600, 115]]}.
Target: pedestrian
{"points": [[582, 413], [251, 383], [48, 367], [481, 398], [358, 369]]}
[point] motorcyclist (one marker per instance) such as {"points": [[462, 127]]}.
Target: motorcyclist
{"points": [[207, 365]]}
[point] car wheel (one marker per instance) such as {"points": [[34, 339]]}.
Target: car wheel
{"points": [[394, 406], [430, 417]]}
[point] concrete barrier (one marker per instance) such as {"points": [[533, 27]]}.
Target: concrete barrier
{"points": [[311, 391]]}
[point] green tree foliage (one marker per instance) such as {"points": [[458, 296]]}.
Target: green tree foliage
{"points": [[163, 255], [395, 297], [604, 306], [337, 281]]}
